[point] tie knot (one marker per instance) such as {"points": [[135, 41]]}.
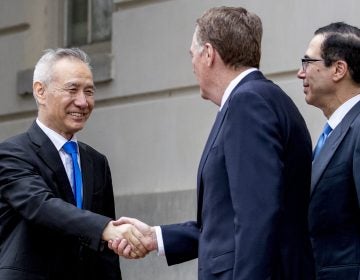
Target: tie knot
{"points": [[70, 147], [327, 129]]}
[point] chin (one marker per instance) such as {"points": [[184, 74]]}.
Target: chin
{"points": [[74, 128], [203, 95]]}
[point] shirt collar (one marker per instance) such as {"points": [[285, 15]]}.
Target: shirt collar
{"points": [[340, 112], [57, 139], [233, 84]]}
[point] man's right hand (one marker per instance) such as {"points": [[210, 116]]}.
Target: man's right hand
{"points": [[147, 238], [127, 238]]}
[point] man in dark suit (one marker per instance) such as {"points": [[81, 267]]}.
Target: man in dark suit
{"points": [[45, 234], [331, 79], [254, 175]]}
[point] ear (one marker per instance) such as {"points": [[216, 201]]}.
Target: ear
{"points": [[39, 92], [209, 53], [340, 70]]}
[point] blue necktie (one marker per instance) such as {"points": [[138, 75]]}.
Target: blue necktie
{"points": [[70, 148], [322, 139]]}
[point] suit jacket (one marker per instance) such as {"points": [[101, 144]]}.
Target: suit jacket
{"points": [[253, 191], [334, 215], [42, 233]]}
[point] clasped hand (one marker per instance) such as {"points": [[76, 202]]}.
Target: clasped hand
{"points": [[130, 238]]}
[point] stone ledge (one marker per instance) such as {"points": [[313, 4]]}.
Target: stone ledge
{"points": [[119, 4]]}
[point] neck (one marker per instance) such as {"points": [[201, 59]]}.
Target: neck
{"points": [[222, 79], [339, 99]]}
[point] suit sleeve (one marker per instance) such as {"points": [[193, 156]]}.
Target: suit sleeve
{"points": [[180, 242], [24, 189], [253, 156]]}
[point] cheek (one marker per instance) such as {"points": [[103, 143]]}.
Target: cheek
{"points": [[91, 103]]}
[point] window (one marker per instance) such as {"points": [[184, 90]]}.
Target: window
{"points": [[87, 21]]}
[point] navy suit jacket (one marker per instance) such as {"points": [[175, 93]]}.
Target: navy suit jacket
{"points": [[334, 214], [253, 191], [43, 236]]}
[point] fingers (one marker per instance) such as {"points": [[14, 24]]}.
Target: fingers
{"points": [[122, 248], [123, 220], [127, 242], [140, 238], [134, 237], [142, 227]]}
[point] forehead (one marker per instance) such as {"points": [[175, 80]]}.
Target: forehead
{"points": [[69, 68], [314, 48]]}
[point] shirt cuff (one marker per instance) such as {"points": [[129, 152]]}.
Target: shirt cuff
{"points": [[160, 241]]}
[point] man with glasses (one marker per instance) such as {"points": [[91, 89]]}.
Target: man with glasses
{"points": [[331, 80]]}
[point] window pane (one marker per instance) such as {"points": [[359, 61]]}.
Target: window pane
{"points": [[77, 22], [101, 20]]}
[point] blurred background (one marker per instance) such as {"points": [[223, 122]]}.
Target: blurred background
{"points": [[149, 119]]}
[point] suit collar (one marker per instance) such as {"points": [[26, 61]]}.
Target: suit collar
{"points": [[256, 75], [57, 139], [234, 83], [50, 155], [332, 143]]}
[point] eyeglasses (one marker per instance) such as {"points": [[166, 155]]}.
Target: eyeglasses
{"points": [[306, 60]]}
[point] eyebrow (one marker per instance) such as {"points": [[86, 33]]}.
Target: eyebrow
{"points": [[75, 84], [71, 84]]}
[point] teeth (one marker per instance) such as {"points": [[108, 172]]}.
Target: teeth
{"points": [[77, 114]]}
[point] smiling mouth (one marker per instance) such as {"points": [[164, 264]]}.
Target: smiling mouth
{"points": [[77, 115]]}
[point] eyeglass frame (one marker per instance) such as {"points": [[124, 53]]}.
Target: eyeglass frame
{"points": [[306, 60]]}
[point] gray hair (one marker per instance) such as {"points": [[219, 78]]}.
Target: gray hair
{"points": [[234, 32], [43, 68], [198, 47]]}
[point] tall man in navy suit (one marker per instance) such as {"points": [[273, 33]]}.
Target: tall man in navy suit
{"points": [[331, 79], [254, 175], [45, 233]]}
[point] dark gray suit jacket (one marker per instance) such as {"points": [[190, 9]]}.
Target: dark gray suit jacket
{"points": [[334, 213], [253, 192], [42, 234]]}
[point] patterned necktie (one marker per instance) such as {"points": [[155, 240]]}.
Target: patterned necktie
{"points": [[322, 139], [70, 148]]}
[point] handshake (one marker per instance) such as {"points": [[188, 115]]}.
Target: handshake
{"points": [[130, 238]]}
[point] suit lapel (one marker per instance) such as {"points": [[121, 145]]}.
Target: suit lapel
{"points": [[256, 75], [50, 156], [332, 143], [212, 136], [87, 171]]}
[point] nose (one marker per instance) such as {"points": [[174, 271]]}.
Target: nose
{"points": [[81, 100], [301, 74]]}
